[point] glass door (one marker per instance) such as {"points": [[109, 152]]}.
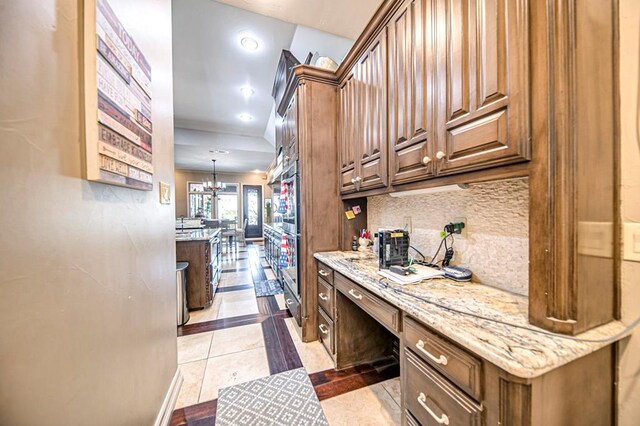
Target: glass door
{"points": [[252, 196]]}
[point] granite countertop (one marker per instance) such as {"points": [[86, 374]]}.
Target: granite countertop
{"points": [[448, 307], [205, 234]]}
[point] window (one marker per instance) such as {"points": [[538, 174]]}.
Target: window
{"points": [[200, 201], [227, 207]]}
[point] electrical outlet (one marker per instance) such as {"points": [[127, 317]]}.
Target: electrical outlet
{"points": [[466, 226], [631, 241]]}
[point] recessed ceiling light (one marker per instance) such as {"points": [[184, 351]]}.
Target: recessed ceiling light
{"points": [[246, 91], [257, 171], [245, 117], [219, 151], [249, 43]]}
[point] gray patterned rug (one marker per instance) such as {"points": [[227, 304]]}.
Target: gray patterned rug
{"points": [[282, 399], [268, 288]]}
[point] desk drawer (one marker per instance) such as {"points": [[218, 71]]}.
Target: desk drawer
{"points": [[325, 297], [326, 331], [325, 273], [433, 400], [457, 365], [386, 314]]}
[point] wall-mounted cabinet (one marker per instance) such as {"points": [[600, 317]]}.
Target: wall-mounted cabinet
{"points": [[450, 95], [363, 121]]}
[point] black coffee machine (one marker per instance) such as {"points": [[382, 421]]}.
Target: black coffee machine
{"points": [[393, 248]]}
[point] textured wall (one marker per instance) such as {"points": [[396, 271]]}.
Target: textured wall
{"points": [[629, 391], [87, 271], [496, 248]]}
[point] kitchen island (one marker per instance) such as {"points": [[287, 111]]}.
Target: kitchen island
{"points": [[201, 248], [467, 351]]}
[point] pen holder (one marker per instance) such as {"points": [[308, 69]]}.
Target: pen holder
{"points": [[363, 244]]}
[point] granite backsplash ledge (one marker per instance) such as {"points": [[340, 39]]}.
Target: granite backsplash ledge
{"points": [[496, 248]]}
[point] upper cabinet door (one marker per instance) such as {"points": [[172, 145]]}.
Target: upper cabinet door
{"points": [[483, 84], [371, 74], [412, 68], [347, 134]]}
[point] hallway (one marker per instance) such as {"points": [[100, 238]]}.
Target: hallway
{"points": [[242, 337]]}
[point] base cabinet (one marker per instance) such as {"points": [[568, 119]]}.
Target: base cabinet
{"points": [[203, 272]]}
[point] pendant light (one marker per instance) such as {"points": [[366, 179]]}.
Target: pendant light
{"points": [[214, 186]]}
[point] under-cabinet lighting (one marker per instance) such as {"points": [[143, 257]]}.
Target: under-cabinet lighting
{"points": [[434, 190]]}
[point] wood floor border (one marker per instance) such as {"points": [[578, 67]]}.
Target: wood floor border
{"points": [[239, 287]]}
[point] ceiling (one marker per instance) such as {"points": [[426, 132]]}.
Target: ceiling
{"points": [[210, 68], [345, 18]]}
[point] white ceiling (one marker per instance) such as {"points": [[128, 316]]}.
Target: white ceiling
{"points": [[210, 67], [346, 18]]}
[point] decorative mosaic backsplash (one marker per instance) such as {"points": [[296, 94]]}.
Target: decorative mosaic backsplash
{"points": [[496, 248]]}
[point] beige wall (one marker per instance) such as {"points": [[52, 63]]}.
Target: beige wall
{"points": [[87, 296], [629, 392], [184, 176]]}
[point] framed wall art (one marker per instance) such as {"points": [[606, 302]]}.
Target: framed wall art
{"points": [[117, 94]]}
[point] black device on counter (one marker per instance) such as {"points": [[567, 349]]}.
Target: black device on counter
{"points": [[458, 273], [393, 248]]}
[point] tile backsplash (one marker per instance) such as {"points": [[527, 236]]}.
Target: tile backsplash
{"points": [[496, 247]]}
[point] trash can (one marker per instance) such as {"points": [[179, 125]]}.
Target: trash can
{"points": [[181, 292]]}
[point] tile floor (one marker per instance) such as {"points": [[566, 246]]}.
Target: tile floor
{"points": [[216, 359]]}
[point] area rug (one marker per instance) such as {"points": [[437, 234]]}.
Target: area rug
{"points": [[268, 288], [282, 399]]}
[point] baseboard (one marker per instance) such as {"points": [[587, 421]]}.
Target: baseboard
{"points": [[166, 410]]}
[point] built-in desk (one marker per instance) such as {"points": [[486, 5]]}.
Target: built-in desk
{"points": [[468, 355]]}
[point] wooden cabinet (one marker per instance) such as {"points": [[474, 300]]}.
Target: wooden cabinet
{"points": [[412, 96], [363, 121], [483, 82], [203, 272], [290, 132]]}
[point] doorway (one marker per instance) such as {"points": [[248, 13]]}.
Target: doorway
{"points": [[252, 210]]}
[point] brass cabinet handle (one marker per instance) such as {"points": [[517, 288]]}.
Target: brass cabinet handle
{"points": [[426, 160], [323, 328], [440, 155], [442, 360], [442, 420], [353, 293], [323, 272], [323, 296]]}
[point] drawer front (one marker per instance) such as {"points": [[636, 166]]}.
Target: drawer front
{"points": [[292, 304], [386, 314], [326, 331], [325, 297], [325, 273], [457, 365], [433, 400]]}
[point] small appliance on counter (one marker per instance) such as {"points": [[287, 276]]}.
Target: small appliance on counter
{"points": [[393, 248]]}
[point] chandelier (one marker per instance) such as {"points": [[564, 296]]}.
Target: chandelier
{"points": [[214, 186]]}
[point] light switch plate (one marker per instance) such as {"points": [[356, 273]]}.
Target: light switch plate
{"points": [[631, 241]]}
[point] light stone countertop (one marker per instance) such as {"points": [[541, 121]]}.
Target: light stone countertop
{"points": [[204, 234], [448, 307]]}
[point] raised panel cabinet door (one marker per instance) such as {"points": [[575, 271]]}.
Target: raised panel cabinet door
{"points": [[482, 65], [412, 66], [371, 74], [347, 134]]}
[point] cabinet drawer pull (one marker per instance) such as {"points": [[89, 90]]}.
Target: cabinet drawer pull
{"points": [[323, 328], [442, 420], [358, 178], [440, 155], [442, 360], [426, 160], [323, 272], [353, 180], [353, 293], [289, 301], [323, 296]]}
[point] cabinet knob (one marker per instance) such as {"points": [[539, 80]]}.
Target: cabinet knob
{"points": [[440, 155], [287, 158], [358, 178], [353, 180], [426, 160]]}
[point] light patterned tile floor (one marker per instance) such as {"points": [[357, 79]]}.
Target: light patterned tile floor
{"points": [[212, 360]]}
